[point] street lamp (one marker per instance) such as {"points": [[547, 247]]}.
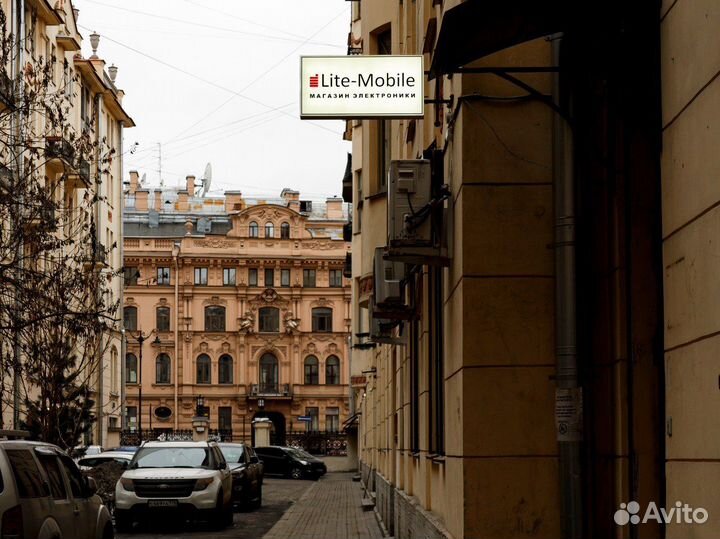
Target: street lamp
{"points": [[199, 405], [141, 337]]}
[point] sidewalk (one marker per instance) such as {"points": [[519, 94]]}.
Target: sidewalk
{"points": [[330, 509]]}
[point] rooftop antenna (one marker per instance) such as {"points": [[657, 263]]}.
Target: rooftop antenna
{"points": [[206, 180], [162, 184], [143, 179]]}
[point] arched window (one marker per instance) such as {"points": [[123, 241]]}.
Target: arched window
{"points": [[214, 318], [225, 370], [131, 368], [322, 320], [332, 371], [162, 369], [268, 374], [311, 371], [253, 229], [269, 319], [269, 230], [203, 369], [285, 231], [162, 318], [130, 318]]}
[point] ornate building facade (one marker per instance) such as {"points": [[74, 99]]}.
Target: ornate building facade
{"points": [[238, 305]]}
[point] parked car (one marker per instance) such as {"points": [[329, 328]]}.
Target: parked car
{"points": [[43, 494], [287, 461], [86, 451], [125, 448], [247, 474], [191, 478], [320, 465], [121, 457]]}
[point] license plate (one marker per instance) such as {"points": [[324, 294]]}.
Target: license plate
{"points": [[162, 503]]}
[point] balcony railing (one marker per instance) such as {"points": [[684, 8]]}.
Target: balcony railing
{"points": [[7, 97], [61, 148], [270, 390]]}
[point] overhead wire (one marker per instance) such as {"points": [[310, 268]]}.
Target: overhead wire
{"points": [[206, 81], [197, 24], [233, 16], [271, 68]]}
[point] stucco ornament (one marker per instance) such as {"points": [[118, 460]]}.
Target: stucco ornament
{"points": [[291, 324], [247, 322]]}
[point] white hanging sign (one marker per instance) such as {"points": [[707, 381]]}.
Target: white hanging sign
{"points": [[342, 87]]}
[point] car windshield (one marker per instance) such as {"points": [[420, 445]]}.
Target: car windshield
{"points": [[172, 457], [233, 454], [299, 453]]}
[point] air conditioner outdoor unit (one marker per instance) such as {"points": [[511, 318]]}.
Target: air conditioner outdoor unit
{"points": [[381, 329], [409, 192], [387, 277]]}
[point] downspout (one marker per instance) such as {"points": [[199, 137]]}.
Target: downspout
{"points": [[19, 23], [121, 247], [96, 252], [176, 253], [568, 398]]}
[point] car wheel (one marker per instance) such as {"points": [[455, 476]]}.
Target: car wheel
{"points": [[223, 514], [123, 523], [108, 532], [296, 473], [258, 501]]}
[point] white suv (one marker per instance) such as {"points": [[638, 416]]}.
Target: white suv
{"points": [[189, 478]]}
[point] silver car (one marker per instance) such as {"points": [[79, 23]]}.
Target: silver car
{"points": [[43, 495]]}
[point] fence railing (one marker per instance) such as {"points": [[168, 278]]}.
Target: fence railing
{"points": [[133, 437], [327, 443]]}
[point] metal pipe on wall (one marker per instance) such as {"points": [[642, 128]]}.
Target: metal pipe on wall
{"points": [[176, 253], [568, 398]]}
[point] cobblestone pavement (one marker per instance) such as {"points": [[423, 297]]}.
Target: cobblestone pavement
{"points": [[278, 496], [329, 509]]}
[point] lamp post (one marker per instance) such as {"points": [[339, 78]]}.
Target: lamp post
{"points": [[141, 337]]}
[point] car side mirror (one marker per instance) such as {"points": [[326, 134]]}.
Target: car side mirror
{"points": [[90, 486], [222, 466], [254, 460]]}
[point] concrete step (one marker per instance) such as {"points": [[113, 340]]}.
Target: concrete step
{"points": [[367, 504]]}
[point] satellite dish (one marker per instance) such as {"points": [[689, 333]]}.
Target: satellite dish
{"points": [[142, 180], [206, 179]]}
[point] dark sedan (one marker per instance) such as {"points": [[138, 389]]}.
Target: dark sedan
{"points": [[290, 462], [247, 474]]}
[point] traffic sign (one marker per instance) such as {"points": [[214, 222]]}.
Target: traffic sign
{"points": [[305, 418]]}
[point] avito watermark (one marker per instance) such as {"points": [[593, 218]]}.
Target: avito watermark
{"points": [[681, 513]]}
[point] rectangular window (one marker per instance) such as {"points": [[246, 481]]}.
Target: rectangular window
{"points": [[336, 278], [332, 419], [284, 277], [225, 418], [201, 276], [162, 318], [131, 417], [252, 277], [313, 413], [269, 277], [163, 276], [27, 475], [214, 318], [131, 274], [130, 318], [322, 320], [414, 337], [228, 276], [436, 385], [309, 278]]}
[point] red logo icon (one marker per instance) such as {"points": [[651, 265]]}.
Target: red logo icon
{"points": [[314, 81]]}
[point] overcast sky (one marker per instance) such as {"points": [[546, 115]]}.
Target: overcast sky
{"points": [[237, 105]]}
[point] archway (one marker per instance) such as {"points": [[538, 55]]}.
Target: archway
{"points": [[277, 434]]}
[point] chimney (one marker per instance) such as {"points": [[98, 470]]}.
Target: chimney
{"points": [[141, 199], [134, 181], [233, 201], [334, 208], [190, 182], [156, 200], [291, 198], [182, 201]]}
